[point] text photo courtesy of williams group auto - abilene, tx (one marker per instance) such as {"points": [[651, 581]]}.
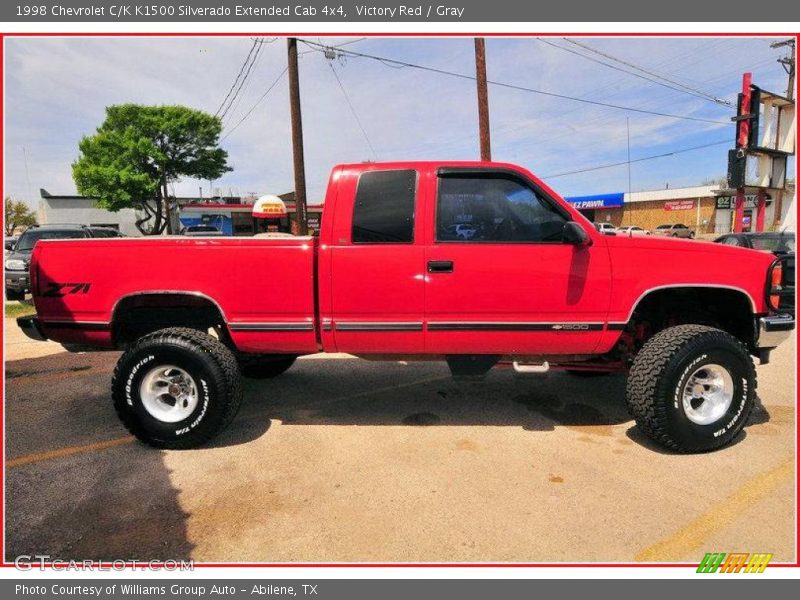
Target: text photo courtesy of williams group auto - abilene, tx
{"points": [[381, 299]]}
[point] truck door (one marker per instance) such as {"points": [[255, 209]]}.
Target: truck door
{"points": [[500, 280], [376, 264]]}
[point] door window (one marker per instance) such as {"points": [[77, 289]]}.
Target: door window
{"points": [[384, 207], [494, 208]]}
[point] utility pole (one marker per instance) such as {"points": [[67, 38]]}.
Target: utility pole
{"points": [[789, 63], [630, 190], [483, 99], [301, 210]]}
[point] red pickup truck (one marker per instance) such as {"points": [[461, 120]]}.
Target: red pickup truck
{"points": [[474, 263]]}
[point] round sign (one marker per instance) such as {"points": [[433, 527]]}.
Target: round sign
{"points": [[269, 207]]}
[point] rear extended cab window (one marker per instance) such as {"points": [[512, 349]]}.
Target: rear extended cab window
{"points": [[383, 212]]}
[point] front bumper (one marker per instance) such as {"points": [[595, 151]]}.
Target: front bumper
{"points": [[30, 327], [774, 330], [17, 281]]}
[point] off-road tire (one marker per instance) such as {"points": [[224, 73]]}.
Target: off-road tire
{"points": [[261, 366], [208, 362], [659, 374]]}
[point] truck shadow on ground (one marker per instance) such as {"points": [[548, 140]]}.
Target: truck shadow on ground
{"points": [[76, 487], [119, 501], [354, 392]]}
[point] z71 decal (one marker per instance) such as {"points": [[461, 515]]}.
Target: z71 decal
{"points": [[57, 290]]}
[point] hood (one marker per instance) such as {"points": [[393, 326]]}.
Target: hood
{"points": [[680, 248]]}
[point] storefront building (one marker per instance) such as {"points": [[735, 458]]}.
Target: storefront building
{"points": [[704, 209], [238, 220]]}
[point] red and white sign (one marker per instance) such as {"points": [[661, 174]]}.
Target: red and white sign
{"points": [[679, 205], [269, 207]]}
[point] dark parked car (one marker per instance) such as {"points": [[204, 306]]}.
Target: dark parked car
{"points": [[104, 232], [781, 244], [18, 259], [773, 241]]}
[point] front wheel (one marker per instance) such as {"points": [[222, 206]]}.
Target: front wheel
{"points": [[176, 388], [691, 388]]}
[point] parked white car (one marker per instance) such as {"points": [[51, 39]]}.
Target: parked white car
{"points": [[632, 230], [605, 228]]}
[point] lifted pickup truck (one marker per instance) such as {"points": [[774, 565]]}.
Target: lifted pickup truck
{"points": [[534, 286]]}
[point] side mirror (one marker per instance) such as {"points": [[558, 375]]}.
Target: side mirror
{"points": [[10, 245], [574, 234]]}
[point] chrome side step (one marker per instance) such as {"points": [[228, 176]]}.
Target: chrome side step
{"points": [[540, 368]]}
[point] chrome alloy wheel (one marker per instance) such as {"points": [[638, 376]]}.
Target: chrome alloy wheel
{"points": [[168, 393], [708, 394]]}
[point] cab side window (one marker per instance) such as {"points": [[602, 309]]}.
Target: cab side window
{"points": [[493, 208], [384, 207]]}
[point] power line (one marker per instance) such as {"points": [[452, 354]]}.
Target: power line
{"points": [[401, 64], [688, 89], [234, 104], [637, 160], [238, 75], [252, 108], [353, 110], [677, 87], [261, 42], [242, 82]]}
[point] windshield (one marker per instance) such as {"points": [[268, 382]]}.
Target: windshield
{"points": [[774, 243], [28, 239]]}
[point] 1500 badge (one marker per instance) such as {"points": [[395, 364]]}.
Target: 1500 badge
{"points": [[57, 290]]}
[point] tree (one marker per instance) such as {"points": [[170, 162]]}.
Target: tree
{"points": [[139, 151], [17, 215]]}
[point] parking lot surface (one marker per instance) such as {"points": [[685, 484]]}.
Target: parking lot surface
{"points": [[346, 460]]}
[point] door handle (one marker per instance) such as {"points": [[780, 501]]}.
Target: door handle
{"points": [[440, 266]]}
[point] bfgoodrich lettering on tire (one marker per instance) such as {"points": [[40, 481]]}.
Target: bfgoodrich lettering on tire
{"points": [[176, 388], [691, 388]]}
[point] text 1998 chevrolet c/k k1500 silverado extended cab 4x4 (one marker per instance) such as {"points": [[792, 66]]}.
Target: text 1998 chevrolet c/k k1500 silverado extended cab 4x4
{"points": [[533, 285]]}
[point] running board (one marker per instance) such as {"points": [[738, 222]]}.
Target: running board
{"points": [[540, 368]]}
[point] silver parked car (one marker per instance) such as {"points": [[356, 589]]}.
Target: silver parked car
{"points": [[631, 230], [674, 230]]}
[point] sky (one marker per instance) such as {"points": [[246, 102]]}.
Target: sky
{"points": [[56, 91]]}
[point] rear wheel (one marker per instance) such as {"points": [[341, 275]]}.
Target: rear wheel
{"points": [[691, 388], [261, 366], [176, 388], [15, 295]]}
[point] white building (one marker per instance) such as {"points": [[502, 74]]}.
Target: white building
{"points": [[80, 210]]}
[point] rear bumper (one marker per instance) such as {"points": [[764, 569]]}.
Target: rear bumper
{"points": [[774, 330], [30, 327]]}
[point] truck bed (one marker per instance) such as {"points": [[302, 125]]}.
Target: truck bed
{"points": [[258, 284]]}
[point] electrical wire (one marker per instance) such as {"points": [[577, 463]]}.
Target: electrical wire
{"points": [[353, 111], [252, 108], [676, 87], [242, 82], [402, 64], [238, 75], [637, 160], [686, 88]]}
